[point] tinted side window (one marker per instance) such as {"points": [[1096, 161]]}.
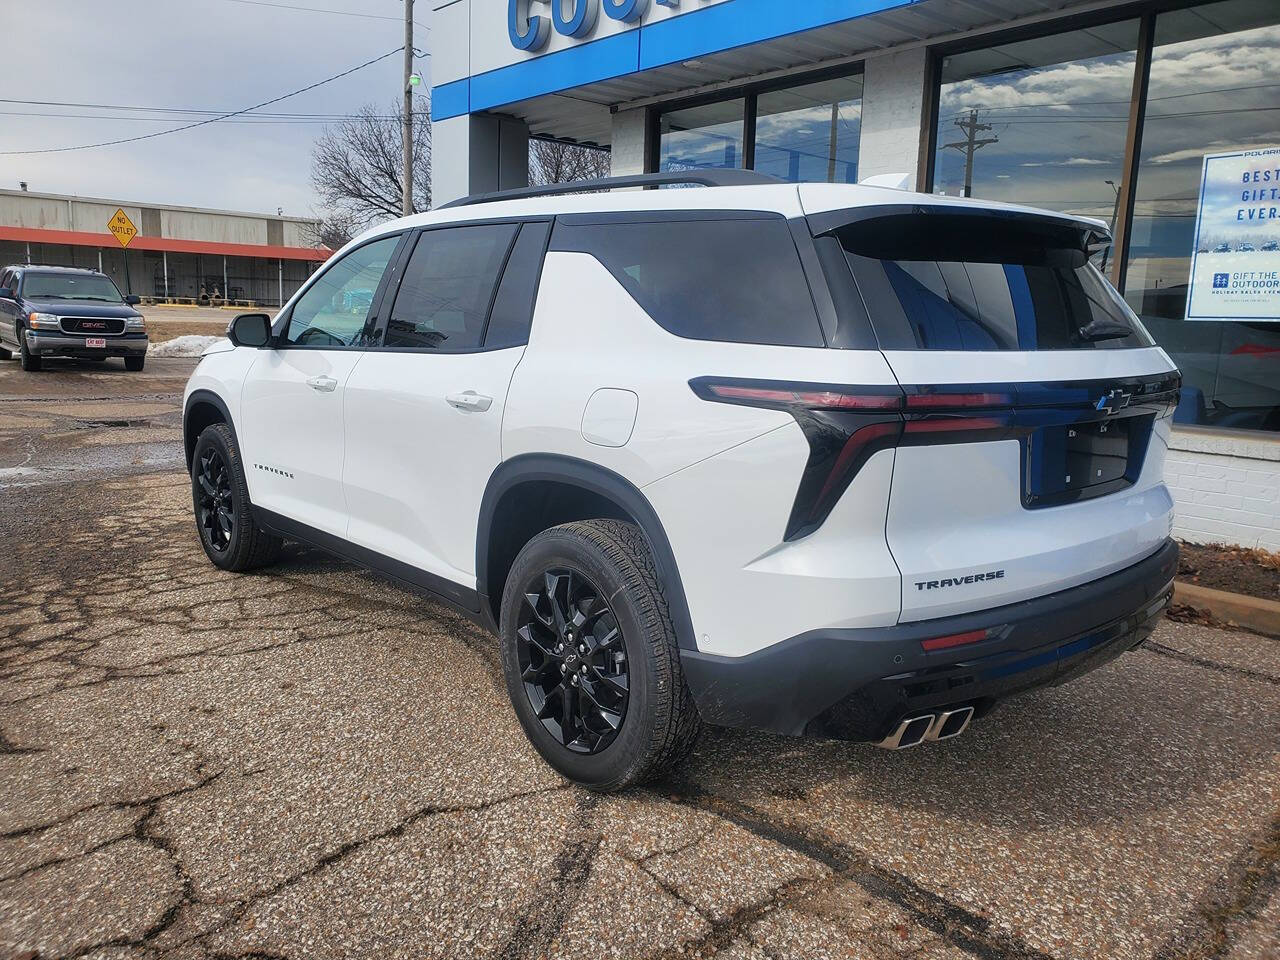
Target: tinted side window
{"points": [[513, 307], [738, 280], [443, 300], [333, 311]]}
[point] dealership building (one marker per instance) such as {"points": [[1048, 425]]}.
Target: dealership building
{"points": [[1107, 109], [176, 253]]}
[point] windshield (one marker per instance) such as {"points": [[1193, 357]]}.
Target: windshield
{"points": [[70, 286]]}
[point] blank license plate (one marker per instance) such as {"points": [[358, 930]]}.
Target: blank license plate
{"points": [[95, 342]]}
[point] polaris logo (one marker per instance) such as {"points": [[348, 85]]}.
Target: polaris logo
{"points": [[957, 581]]}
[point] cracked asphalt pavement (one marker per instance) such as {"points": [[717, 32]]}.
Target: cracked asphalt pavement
{"points": [[311, 762]]}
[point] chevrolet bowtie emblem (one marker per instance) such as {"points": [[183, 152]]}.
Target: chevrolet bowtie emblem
{"points": [[1113, 402]]}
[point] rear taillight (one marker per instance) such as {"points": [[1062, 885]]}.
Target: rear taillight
{"points": [[784, 396], [844, 426]]}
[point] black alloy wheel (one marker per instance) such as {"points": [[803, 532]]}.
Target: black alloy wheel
{"points": [[572, 660], [216, 503]]}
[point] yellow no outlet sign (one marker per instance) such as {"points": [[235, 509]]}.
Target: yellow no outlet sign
{"points": [[122, 227]]}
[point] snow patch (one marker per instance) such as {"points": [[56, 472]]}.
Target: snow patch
{"points": [[189, 345]]}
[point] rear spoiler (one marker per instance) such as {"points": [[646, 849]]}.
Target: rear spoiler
{"points": [[1081, 233]]}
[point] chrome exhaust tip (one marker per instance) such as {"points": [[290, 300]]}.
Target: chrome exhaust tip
{"points": [[909, 733], [950, 723]]}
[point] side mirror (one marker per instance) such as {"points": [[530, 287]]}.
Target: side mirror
{"points": [[133, 299], [6, 293], [250, 330]]}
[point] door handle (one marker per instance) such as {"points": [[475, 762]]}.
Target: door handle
{"points": [[470, 400], [323, 384]]}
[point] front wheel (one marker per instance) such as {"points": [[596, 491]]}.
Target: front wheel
{"points": [[228, 533], [134, 364], [591, 659], [29, 360]]}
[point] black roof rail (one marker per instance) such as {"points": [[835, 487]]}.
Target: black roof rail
{"points": [[704, 178]]}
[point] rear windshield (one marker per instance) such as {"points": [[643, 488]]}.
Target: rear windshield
{"points": [[728, 279], [973, 283], [70, 286]]}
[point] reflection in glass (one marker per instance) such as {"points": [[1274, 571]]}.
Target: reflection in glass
{"points": [[810, 133], [1040, 121], [1215, 88], [699, 137]]}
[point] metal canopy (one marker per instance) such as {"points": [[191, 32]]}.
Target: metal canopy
{"points": [[582, 113]]}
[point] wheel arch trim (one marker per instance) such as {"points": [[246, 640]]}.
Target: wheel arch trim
{"points": [[195, 398], [602, 482]]}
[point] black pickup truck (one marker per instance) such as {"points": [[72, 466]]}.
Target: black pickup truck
{"points": [[67, 312]]}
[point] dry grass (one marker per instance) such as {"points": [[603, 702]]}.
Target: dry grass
{"points": [[161, 329], [1253, 555]]}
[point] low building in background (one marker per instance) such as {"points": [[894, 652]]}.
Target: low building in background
{"points": [[179, 254]]}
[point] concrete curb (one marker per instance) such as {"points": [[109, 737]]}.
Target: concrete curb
{"points": [[1252, 613]]}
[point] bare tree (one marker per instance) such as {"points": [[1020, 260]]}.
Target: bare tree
{"points": [[554, 161], [356, 167], [332, 230]]}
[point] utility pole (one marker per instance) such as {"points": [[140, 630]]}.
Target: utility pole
{"points": [[831, 147], [970, 145], [406, 130]]}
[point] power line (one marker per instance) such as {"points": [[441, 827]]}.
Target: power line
{"points": [[168, 110], [251, 119], [339, 13], [201, 123]]}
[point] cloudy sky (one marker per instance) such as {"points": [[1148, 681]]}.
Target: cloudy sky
{"points": [[219, 55]]}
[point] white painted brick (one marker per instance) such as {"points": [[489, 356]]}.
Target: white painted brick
{"points": [[1208, 484], [1260, 491], [1262, 506], [1225, 490]]}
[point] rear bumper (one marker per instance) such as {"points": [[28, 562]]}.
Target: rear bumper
{"points": [[858, 684], [69, 345]]}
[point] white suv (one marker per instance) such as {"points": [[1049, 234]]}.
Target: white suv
{"points": [[818, 459]]}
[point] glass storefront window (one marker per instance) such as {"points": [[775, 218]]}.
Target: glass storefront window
{"points": [[1215, 88], [810, 133], [1040, 121], [698, 137]]}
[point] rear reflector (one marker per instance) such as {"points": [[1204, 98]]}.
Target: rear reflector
{"points": [[953, 640]]}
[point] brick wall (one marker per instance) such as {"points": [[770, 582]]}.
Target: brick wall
{"points": [[1226, 488]]}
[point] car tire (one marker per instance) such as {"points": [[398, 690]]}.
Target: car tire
{"points": [[220, 496], [134, 364], [600, 576], [6, 353], [29, 360]]}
